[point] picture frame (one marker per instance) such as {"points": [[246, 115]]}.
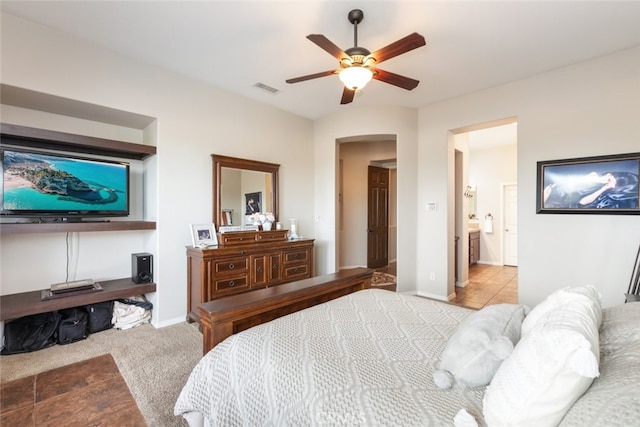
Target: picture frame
{"points": [[589, 185], [203, 235], [253, 203]]}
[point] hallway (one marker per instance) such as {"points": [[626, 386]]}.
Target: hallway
{"points": [[488, 284]]}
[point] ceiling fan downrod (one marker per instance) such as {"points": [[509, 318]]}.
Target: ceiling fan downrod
{"points": [[355, 17]]}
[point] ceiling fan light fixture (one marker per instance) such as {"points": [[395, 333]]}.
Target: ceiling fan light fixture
{"points": [[355, 77]]}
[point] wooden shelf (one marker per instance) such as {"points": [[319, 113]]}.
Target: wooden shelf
{"points": [[70, 227], [26, 303], [52, 140]]}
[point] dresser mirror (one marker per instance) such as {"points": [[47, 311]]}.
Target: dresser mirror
{"points": [[242, 186]]}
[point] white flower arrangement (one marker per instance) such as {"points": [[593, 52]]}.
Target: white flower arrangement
{"points": [[261, 218]]}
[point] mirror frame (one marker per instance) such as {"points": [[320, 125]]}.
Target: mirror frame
{"points": [[220, 162]]}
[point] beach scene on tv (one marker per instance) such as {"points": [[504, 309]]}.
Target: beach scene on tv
{"points": [[43, 182]]}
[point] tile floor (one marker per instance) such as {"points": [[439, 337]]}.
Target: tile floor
{"points": [[489, 284], [89, 393]]}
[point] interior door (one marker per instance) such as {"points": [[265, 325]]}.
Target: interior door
{"points": [[378, 217], [510, 233]]}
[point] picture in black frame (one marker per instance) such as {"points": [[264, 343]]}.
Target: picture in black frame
{"points": [[253, 203], [599, 185]]}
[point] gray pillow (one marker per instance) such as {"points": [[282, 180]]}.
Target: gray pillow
{"points": [[476, 350]]}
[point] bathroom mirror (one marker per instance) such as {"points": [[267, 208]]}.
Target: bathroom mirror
{"points": [[242, 186]]}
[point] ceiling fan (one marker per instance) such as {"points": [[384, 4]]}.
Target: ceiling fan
{"points": [[358, 65]]}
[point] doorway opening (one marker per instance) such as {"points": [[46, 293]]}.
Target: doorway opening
{"points": [[356, 156], [486, 208]]}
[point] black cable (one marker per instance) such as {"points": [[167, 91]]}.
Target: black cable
{"points": [[67, 267]]}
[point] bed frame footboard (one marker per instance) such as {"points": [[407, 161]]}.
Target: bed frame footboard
{"points": [[223, 317]]}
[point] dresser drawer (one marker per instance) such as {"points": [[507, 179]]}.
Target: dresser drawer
{"points": [[230, 265], [271, 236], [230, 285], [233, 239], [244, 238], [296, 271], [292, 256]]}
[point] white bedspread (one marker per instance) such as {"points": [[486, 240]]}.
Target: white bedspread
{"points": [[363, 359]]}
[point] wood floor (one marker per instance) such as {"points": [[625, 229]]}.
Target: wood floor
{"points": [[488, 284], [87, 393]]}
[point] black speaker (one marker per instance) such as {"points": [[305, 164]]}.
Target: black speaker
{"points": [[142, 267]]}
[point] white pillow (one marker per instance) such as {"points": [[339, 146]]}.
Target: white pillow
{"points": [[475, 351], [557, 299], [552, 365]]}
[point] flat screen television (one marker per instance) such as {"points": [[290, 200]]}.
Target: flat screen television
{"points": [[51, 185]]}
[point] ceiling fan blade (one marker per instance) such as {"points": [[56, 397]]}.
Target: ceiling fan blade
{"points": [[395, 79], [311, 76], [347, 96], [410, 42], [328, 46]]}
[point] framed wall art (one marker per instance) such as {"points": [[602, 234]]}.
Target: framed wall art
{"points": [[203, 235], [253, 203], [594, 185]]}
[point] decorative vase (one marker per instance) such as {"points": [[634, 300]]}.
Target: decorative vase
{"points": [[266, 226]]}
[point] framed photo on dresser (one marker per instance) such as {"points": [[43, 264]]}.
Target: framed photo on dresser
{"points": [[203, 235]]}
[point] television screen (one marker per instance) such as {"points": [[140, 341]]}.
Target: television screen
{"points": [[45, 184]]}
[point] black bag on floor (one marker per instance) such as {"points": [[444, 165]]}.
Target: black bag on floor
{"points": [[100, 316], [73, 325], [31, 333]]}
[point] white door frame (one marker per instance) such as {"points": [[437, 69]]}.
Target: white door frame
{"points": [[503, 224]]}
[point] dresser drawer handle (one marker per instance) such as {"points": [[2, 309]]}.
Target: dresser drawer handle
{"points": [[232, 283], [295, 270], [274, 267], [259, 269], [232, 266]]}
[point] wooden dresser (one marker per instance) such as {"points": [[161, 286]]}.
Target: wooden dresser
{"points": [[243, 262]]}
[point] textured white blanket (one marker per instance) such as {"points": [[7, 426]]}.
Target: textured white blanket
{"points": [[363, 359]]}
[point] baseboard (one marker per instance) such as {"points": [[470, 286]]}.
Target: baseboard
{"points": [[499, 264], [462, 284], [432, 296], [168, 322], [348, 267]]}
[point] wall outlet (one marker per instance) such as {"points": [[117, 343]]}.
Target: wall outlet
{"points": [[432, 276]]}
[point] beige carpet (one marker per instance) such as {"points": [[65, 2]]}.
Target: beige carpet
{"points": [[155, 363]]}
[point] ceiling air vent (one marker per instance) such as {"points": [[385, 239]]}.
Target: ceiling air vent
{"points": [[266, 88]]}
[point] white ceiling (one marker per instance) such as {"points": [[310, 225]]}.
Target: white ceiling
{"points": [[471, 45], [492, 137]]}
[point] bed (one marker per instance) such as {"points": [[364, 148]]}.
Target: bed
{"points": [[368, 358]]}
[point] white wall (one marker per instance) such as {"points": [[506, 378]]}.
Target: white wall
{"points": [[587, 109], [193, 121], [489, 170]]}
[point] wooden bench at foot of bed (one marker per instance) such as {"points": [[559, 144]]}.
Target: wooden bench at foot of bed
{"points": [[223, 317]]}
